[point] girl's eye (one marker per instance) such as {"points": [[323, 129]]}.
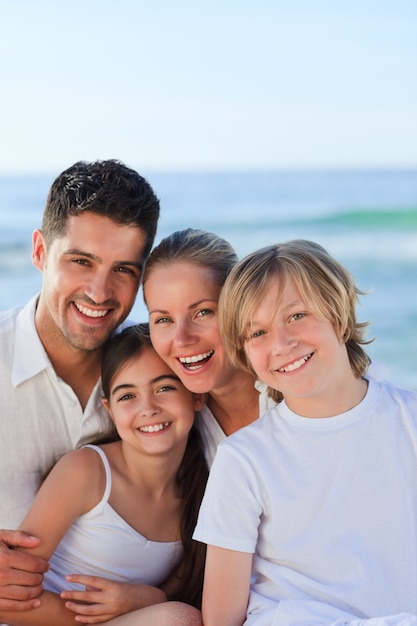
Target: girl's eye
{"points": [[125, 396], [204, 312], [165, 388]]}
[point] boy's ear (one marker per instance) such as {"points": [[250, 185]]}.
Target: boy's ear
{"points": [[199, 401], [38, 250]]}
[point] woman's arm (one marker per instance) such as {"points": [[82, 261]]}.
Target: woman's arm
{"points": [[226, 587]]}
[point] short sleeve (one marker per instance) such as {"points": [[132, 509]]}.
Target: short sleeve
{"points": [[231, 508]]}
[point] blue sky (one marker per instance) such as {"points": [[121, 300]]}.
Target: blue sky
{"points": [[224, 84]]}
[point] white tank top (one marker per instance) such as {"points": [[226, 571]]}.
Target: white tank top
{"points": [[101, 543]]}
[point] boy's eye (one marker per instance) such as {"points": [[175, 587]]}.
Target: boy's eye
{"points": [[255, 334], [297, 316]]}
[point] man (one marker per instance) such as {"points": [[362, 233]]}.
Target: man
{"points": [[98, 227]]}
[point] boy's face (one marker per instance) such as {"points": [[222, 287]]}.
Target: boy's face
{"points": [[295, 352], [90, 280]]}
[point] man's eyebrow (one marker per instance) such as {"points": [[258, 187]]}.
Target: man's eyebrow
{"points": [[97, 259]]}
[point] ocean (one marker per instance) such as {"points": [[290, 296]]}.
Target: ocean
{"points": [[366, 219]]}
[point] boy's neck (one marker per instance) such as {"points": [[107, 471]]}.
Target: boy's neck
{"points": [[330, 403]]}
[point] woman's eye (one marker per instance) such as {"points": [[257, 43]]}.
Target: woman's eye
{"points": [[162, 320], [204, 312]]}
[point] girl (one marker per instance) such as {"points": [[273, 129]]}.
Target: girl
{"points": [[126, 510], [181, 284], [310, 513]]}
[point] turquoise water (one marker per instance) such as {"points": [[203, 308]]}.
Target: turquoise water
{"points": [[368, 220]]}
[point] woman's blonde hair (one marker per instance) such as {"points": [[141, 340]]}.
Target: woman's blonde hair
{"points": [[327, 287], [195, 247]]}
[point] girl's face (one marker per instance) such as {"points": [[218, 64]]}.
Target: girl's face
{"points": [[182, 300], [294, 351], [150, 406]]}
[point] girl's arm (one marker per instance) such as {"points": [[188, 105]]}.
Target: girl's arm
{"points": [[226, 587], [74, 486]]}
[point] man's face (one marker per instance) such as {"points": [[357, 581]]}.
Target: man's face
{"points": [[90, 280]]}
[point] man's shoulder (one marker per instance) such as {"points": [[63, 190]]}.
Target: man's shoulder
{"points": [[8, 318]]}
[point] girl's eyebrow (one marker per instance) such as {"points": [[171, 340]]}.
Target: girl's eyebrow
{"points": [[153, 381]]}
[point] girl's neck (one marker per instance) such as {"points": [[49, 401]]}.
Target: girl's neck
{"points": [[236, 404]]}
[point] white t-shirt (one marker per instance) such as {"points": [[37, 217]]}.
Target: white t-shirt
{"points": [[40, 415], [328, 507]]}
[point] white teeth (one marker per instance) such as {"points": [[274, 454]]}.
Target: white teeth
{"points": [[153, 428], [197, 358], [90, 312], [294, 366]]}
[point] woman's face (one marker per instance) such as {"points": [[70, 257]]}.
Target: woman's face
{"points": [[182, 300]]}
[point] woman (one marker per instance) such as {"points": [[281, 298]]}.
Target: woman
{"points": [[182, 281]]}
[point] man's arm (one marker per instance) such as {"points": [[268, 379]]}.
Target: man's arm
{"points": [[21, 575]]}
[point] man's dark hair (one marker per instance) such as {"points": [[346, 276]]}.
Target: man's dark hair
{"points": [[108, 188]]}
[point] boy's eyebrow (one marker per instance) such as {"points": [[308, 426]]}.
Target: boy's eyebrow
{"points": [[97, 259], [294, 304], [153, 381]]}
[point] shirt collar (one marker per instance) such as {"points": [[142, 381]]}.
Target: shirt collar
{"points": [[29, 357]]}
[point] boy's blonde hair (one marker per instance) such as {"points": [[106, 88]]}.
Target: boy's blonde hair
{"points": [[325, 285]]}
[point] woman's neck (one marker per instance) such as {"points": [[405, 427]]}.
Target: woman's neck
{"points": [[236, 404]]}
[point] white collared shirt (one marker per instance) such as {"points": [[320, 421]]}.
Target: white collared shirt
{"points": [[40, 415]]}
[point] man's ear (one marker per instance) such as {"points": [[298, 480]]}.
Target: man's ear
{"points": [[38, 250], [199, 401]]}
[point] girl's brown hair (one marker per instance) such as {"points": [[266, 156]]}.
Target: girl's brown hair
{"points": [[192, 473]]}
